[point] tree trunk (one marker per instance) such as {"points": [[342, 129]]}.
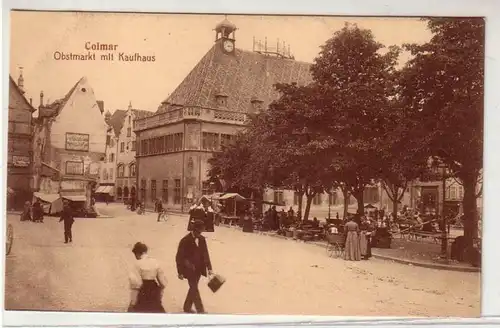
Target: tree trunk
{"points": [[308, 206], [301, 197], [359, 198], [346, 201], [470, 209]]}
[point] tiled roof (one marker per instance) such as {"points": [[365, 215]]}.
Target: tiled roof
{"points": [[242, 76], [116, 120], [14, 87], [54, 108]]}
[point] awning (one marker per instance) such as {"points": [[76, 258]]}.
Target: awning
{"points": [[75, 198], [104, 190], [232, 195], [47, 198]]}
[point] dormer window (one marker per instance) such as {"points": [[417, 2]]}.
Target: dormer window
{"points": [[257, 104], [221, 99]]}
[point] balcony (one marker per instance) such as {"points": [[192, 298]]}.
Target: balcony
{"points": [[198, 113]]}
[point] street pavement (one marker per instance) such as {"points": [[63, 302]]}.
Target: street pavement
{"points": [[264, 275]]}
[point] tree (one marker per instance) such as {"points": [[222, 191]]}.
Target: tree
{"points": [[442, 86], [294, 165], [402, 157], [354, 83]]}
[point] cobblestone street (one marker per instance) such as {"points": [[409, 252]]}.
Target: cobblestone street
{"points": [[264, 275]]}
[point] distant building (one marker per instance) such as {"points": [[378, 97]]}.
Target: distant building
{"points": [[20, 183], [106, 188], [70, 140], [121, 153]]}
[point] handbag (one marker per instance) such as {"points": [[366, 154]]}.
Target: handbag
{"points": [[215, 282]]}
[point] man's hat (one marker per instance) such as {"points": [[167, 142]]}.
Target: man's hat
{"points": [[198, 225]]}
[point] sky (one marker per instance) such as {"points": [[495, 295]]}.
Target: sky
{"points": [[178, 42]]}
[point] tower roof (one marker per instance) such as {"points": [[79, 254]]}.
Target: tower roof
{"points": [[225, 24], [244, 75]]}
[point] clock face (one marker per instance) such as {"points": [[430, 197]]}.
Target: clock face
{"points": [[228, 46]]}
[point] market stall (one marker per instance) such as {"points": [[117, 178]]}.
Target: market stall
{"points": [[51, 203], [229, 214], [79, 206]]}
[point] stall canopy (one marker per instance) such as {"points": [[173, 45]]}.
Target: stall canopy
{"points": [[75, 198], [370, 206], [234, 196], [104, 190], [51, 203]]}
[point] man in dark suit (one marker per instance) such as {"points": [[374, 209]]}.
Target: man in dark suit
{"points": [[67, 217], [193, 261]]}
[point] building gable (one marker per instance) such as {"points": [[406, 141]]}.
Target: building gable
{"points": [[79, 113]]}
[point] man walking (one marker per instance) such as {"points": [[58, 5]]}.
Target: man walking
{"points": [[193, 261], [67, 217]]}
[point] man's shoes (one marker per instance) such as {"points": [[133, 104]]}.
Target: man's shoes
{"points": [[66, 242], [189, 311]]}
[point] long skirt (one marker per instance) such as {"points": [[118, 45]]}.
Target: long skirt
{"points": [[352, 250], [149, 298], [364, 245]]}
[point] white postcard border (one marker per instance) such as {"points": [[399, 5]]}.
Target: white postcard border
{"points": [[490, 9]]}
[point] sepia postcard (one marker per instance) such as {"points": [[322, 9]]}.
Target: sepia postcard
{"points": [[244, 164]]}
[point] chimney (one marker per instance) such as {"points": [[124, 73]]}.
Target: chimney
{"points": [[31, 101], [100, 104], [20, 81], [41, 98]]}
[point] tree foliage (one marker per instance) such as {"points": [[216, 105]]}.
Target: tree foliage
{"points": [[442, 88]]}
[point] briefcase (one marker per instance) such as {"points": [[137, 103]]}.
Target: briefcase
{"points": [[215, 282]]}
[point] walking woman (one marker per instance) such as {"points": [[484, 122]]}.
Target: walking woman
{"points": [[352, 249], [147, 283]]}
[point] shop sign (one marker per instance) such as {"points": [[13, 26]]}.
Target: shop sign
{"points": [[77, 141], [20, 161], [74, 168]]}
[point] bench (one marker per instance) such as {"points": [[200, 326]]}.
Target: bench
{"points": [[415, 235]]}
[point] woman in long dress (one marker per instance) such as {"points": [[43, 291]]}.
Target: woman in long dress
{"points": [[352, 249], [147, 283], [365, 239]]}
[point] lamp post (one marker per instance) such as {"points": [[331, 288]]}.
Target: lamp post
{"points": [[444, 230], [330, 193]]}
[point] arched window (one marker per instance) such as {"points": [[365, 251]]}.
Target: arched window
{"points": [[119, 192], [125, 192], [132, 170], [120, 170]]}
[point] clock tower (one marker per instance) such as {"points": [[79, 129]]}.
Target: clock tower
{"points": [[225, 36]]}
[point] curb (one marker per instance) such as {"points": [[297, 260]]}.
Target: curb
{"points": [[436, 266]]}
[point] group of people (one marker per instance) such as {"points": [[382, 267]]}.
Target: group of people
{"points": [[33, 213], [148, 281], [358, 232]]}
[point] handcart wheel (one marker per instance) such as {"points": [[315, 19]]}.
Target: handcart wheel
{"points": [[10, 238]]}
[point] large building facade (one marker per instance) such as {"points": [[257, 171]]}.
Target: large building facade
{"points": [[203, 113], [20, 181], [70, 138]]}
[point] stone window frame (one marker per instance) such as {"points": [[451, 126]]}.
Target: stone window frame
{"points": [[177, 191], [164, 194]]}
